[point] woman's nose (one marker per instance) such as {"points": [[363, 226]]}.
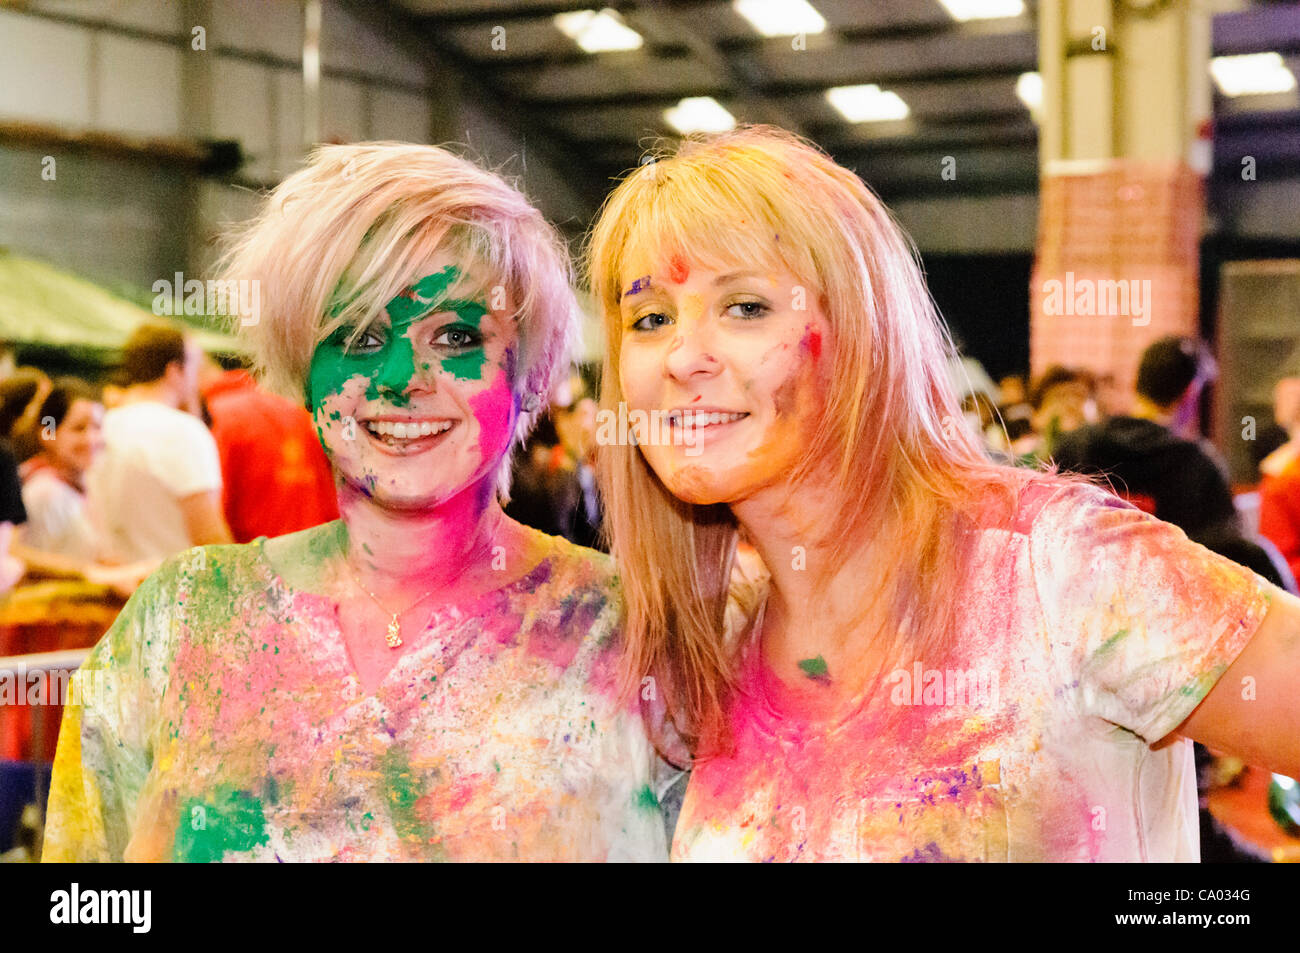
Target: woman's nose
{"points": [[690, 352], [406, 369]]}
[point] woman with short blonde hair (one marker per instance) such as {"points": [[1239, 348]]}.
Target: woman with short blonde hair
{"points": [[424, 679], [944, 658]]}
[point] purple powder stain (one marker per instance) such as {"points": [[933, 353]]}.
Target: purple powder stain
{"points": [[929, 854], [638, 286]]}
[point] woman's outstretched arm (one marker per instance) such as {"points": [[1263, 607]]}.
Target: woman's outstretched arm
{"points": [[1253, 711]]}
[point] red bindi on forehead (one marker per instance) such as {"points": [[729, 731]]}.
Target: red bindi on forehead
{"points": [[678, 270]]}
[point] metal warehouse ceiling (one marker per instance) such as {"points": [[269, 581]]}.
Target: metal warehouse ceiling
{"points": [[959, 80]]}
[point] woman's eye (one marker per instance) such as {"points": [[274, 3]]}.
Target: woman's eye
{"points": [[748, 309], [650, 322], [458, 338], [367, 342]]}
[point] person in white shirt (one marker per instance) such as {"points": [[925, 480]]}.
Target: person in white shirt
{"points": [[70, 425], [59, 539], [156, 488]]}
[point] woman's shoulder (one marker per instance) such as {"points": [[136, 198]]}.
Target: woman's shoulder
{"points": [[574, 602], [1046, 500], [296, 557], [569, 567], [222, 571], [191, 592]]}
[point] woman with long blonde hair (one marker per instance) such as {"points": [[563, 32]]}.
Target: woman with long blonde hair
{"points": [[946, 659]]}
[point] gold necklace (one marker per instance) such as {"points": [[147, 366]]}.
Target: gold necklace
{"points": [[394, 635]]}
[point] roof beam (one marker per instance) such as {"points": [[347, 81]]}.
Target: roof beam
{"points": [[897, 82], [386, 18], [744, 83]]}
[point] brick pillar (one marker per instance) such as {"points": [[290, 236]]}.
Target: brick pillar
{"points": [[1126, 99], [1116, 265]]}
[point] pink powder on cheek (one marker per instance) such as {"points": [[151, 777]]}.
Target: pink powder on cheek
{"points": [[811, 342], [492, 409]]}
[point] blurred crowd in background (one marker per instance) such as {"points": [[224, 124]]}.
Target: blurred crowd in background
{"points": [[102, 482]]}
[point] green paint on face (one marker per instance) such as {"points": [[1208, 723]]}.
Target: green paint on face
{"points": [[390, 366], [229, 820], [814, 667]]}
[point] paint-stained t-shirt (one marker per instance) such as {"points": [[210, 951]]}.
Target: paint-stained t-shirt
{"points": [[1089, 631], [220, 719]]}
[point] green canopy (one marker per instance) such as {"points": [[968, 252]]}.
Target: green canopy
{"points": [[44, 307]]}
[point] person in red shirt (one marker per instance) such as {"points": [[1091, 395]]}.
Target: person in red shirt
{"points": [[277, 479], [1279, 488]]}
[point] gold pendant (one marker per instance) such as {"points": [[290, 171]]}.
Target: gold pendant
{"points": [[394, 633]]}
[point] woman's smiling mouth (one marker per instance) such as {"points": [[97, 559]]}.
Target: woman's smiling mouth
{"points": [[698, 419], [405, 436]]}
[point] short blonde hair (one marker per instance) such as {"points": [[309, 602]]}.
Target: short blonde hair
{"points": [[340, 238]]}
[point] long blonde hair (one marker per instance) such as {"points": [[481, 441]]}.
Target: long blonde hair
{"points": [[892, 422]]}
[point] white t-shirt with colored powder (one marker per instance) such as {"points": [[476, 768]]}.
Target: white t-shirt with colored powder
{"points": [[1089, 632], [154, 456], [223, 693]]}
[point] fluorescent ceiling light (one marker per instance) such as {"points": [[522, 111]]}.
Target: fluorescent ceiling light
{"points": [[781, 17], [699, 114], [1252, 74], [983, 9], [867, 103], [598, 32], [1029, 87]]}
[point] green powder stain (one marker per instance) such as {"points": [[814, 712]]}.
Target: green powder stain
{"points": [[401, 790], [467, 366], [1200, 686], [229, 820], [1112, 642], [646, 800], [814, 667]]}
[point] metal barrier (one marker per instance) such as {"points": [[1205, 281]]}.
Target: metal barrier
{"points": [[66, 660]]}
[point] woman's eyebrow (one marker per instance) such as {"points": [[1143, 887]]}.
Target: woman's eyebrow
{"points": [[638, 286]]}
